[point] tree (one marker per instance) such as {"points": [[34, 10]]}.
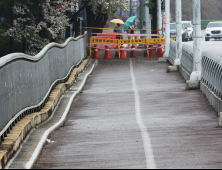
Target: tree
{"points": [[38, 22], [99, 10], [7, 13]]}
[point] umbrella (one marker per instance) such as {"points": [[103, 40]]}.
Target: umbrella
{"points": [[129, 22], [117, 21]]}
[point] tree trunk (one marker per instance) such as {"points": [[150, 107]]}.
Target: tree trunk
{"points": [[67, 32], [76, 27], [23, 45], [98, 21], [11, 45]]}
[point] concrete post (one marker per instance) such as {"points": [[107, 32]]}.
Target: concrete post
{"points": [[178, 32], [167, 29], [130, 8], [159, 21], [145, 19], [121, 14], [196, 74], [195, 77]]}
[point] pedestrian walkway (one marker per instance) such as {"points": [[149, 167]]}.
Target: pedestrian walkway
{"points": [[133, 114]]}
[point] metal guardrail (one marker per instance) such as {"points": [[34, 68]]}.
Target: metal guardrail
{"points": [[211, 67], [26, 81], [172, 52], [187, 58], [211, 73]]}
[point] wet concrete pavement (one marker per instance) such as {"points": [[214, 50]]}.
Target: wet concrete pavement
{"points": [[132, 114]]}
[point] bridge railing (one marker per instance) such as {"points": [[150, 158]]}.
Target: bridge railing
{"points": [[172, 53], [212, 73], [26, 81], [187, 58]]}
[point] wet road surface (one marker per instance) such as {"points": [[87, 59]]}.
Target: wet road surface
{"points": [[132, 114]]}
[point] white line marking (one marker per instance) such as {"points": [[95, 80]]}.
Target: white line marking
{"points": [[150, 162], [38, 149]]}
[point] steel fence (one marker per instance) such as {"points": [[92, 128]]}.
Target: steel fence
{"points": [[172, 53], [211, 73], [187, 58]]}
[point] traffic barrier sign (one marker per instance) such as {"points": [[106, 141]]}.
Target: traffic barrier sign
{"points": [[122, 52], [96, 53], [159, 51], [133, 52], [151, 53], [107, 53]]}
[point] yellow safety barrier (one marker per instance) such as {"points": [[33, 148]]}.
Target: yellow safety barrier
{"points": [[116, 44], [127, 41], [103, 41]]}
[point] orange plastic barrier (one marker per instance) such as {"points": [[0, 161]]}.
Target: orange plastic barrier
{"points": [[111, 35]]}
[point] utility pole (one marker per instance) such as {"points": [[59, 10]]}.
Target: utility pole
{"points": [[159, 14], [195, 77], [131, 8], [178, 32], [167, 29], [121, 14], [196, 74], [145, 20]]}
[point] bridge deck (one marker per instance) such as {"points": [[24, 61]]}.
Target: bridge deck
{"points": [[132, 114]]}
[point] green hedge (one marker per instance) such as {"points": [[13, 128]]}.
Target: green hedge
{"points": [[204, 23]]}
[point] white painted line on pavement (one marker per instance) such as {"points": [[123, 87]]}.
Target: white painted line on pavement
{"points": [[150, 162], [38, 149]]}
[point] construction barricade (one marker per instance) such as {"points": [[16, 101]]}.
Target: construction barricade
{"points": [[108, 42]]}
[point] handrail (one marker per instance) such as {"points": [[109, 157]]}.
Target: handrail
{"points": [[10, 57]]}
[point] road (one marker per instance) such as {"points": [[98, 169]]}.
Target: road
{"points": [[134, 115], [213, 46]]}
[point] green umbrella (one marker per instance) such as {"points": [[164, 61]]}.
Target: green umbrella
{"points": [[129, 22]]}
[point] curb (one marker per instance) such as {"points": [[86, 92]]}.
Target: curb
{"points": [[40, 145], [21, 129]]}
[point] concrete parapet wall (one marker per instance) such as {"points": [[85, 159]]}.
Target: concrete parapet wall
{"points": [[21, 129], [212, 98], [184, 73], [26, 81]]}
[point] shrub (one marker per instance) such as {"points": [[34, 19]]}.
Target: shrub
{"points": [[204, 23]]}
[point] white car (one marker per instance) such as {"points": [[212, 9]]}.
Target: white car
{"points": [[213, 30], [189, 26], [184, 32]]}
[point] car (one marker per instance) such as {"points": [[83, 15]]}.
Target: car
{"points": [[213, 30], [184, 32], [189, 26]]}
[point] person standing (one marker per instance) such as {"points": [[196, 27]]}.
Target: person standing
{"points": [[130, 30], [118, 29]]}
